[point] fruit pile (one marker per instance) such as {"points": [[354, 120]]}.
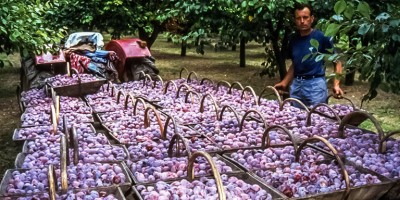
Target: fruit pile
{"points": [[190, 138]]}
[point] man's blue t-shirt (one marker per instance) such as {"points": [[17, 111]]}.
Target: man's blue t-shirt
{"points": [[299, 46]]}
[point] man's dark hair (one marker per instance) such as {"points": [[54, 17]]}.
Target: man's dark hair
{"points": [[301, 6]]}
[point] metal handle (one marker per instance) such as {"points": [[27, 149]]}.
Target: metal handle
{"points": [[75, 144], [183, 69], [57, 106], [278, 96], [141, 100], [252, 92], [228, 85], [191, 92], [314, 110], [160, 79], [357, 114], [167, 84], [52, 180], [382, 143], [206, 79], [53, 119], [341, 97], [147, 119], [266, 142], [63, 164], [335, 154], [293, 100], [129, 96], [120, 92], [109, 85], [217, 176], [252, 111], [147, 77], [175, 140], [203, 99], [190, 75], [114, 90], [232, 110], [169, 120], [233, 84], [180, 87]]}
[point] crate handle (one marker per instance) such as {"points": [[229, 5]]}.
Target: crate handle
{"points": [[252, 92], [63, 164], [191, 93], [233, 84], [179, 89], [266, 142], [206, 79], [160, 79], [129, 96], [75, 144], [335, 154], [190, 75], [293, 100], [226, 107], [228, 85], [51, 176], [183, 69], [278, 96], [252, 111], [169, 120], [175, 142], [167, 84], [341, 97], [314, 110], [141, 100], [147, 118], [216, 174], [213, 102]]}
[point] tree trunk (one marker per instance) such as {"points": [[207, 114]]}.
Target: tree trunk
{"points": [[150, 39], [242, 52], [280, 59], [183, 48], [233, 47]]}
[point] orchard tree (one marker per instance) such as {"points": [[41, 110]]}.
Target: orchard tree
{"points": [[378, 61], [24, 29], [145, 17]]}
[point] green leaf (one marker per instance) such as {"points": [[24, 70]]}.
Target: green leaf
{"points": [[382, 16], [306, 57], [364, 28], [319, 58], [394, 23], [314, 43], [332, 29], [385, 28], [363, 9], [339, 7], [244, 4], [349, 12], [396, 37]]}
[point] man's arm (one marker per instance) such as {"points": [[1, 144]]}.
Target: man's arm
{"points": [[337, 91], [286, 80]]}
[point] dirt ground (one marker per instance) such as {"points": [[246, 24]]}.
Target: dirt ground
{"points": [[221, 65]]}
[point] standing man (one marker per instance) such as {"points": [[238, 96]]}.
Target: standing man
{"points": [[308, 76]]}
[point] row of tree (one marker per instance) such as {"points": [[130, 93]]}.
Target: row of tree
{"points": [[368, 32]]}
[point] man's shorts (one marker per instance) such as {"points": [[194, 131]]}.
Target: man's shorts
{"points": [[309, 91]]}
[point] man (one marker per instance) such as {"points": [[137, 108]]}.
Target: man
{"points": [[308, 76]]}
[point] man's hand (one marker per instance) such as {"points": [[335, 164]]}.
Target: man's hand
{"points": [[280, 86], [337, 92]]}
